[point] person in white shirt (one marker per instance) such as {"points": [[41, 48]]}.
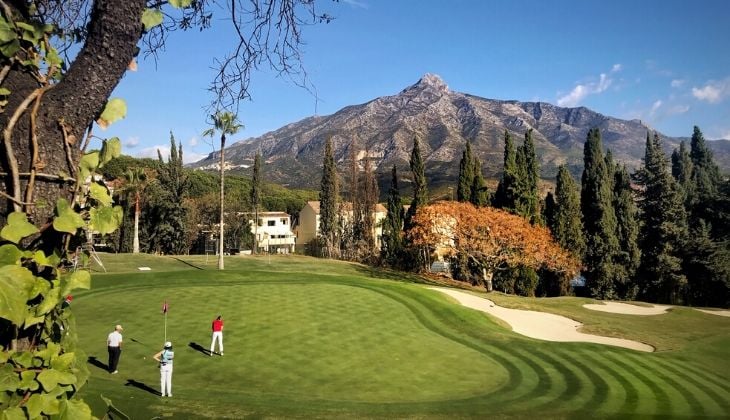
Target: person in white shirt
{"points": [[114, 346], [164, 357]]}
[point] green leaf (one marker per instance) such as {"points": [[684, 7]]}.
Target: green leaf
{"points": [[101, 194], [51, 378], [105, 219], [4, 91], [40, 258], [80, 279], [88, 164], [110, 409], [50, 301], [15, 285], [15, 413], [51, 405], [64, 361], [112, 148], [151, 18], [66, 220], [9, 254], [18, 227], [74, 410], [179, 4], [115, 110], [27, 380], [23, 359], [8, 378], [9, 49], [34, 405]]}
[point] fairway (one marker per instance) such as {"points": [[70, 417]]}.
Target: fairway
{"points": [[313, 338]]}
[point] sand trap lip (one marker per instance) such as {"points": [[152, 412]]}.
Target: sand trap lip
{"points": [[719, 312], [627, 309], [540, 325]]}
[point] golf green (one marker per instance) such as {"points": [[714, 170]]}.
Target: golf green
{"points": [[312, 338]]}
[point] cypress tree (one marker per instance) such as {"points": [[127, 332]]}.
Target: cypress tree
{"points": [[682, 170], [566, 226], [548, 210], [705, 181], [528, 199], [466, 175], [627, 231], [505, 197], [479, 195], [663, 229], [328, 201], [370, 194], [599, 219], [256, 197], [393, 224], [420, 189]]}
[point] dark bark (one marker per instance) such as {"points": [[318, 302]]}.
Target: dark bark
{"points": [[75, 102]]}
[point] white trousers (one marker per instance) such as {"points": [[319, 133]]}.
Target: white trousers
{"points": [[166, 379], [217, 335]]}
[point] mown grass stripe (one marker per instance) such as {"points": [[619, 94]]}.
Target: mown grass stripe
{"points": [[638, 401], [600, 386], [722, 403], [620, 384]]}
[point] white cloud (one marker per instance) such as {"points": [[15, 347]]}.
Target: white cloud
{"points": [[676, 83], [677, 109], [655, 107], [190, 157], [193, 141], [131, 142], [616, 68], [151, 152], [713, 92], [356, 3], [580, 91]]}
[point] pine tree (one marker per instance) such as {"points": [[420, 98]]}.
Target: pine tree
{"points": [[566, 226], [370, 194], [682, 171], [548, 210], [705, 181], [466, 175], [627, 231], [420, 189], [255, 197], [599, 219], [663, 229], [505, 197], [328, 201], [528, 199], [479, 195], [393, 225]]}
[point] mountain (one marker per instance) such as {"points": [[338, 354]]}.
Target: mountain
{"points": [[383, 130]]}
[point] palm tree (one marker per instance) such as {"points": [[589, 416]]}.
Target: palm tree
{"points": [[226, 123], [135, 180]]}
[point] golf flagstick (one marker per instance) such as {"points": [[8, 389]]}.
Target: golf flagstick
{"points": [[164, 311]]}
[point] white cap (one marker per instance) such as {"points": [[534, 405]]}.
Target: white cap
{"points": [[168, 345]]}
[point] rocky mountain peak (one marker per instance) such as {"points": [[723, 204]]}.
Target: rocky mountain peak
{"points": [[429, 82]]}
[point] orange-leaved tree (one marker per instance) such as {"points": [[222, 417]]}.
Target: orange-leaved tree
{"points": [[491, 239]]}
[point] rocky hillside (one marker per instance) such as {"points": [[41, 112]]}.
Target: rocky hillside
{"points": [[444, 121]]}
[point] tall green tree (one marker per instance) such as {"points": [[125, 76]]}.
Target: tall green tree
{"points": [[370, 194], [392, 246], [599, 219], [705, 181], [166, 214], [226, 123], [528, 200], [479, 194], [420, 188], [328, 201], [566, 225], [135, 180], [663, 230], [255, 198], [506, 196], [466, 175], [682, 171], [627, 232]]}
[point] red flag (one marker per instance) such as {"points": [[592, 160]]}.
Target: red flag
{"points": [[164, 307]]}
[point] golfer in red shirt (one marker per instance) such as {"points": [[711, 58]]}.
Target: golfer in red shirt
{"points": [[217, 334]]}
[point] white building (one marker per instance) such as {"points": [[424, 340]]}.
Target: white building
{"points": [[308, 227], [273, 233]]}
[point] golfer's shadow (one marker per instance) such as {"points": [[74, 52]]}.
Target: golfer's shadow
{"points": [[142, 386], [94, 361], [198, 347]]}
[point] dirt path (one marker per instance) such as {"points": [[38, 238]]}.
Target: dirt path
{"points": [[540, 325]]}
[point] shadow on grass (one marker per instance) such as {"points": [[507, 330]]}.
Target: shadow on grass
{"points": [[142, 386], [198, 347], [94, 361], [187, 263]]}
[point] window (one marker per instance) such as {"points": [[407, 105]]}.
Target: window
{"points": [[271, 223], [284, 221]]}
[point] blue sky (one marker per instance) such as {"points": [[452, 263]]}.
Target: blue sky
{"points": [[666, 62]]}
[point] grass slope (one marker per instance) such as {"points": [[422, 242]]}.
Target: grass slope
{"points": [[310, 338]]}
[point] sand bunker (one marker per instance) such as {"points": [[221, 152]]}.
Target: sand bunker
{"points": [[715, 312], [540, 325], [627, 309]]}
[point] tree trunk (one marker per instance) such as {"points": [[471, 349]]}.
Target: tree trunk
{"points": [[135, 241], [66, 110], [222, 168]]}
